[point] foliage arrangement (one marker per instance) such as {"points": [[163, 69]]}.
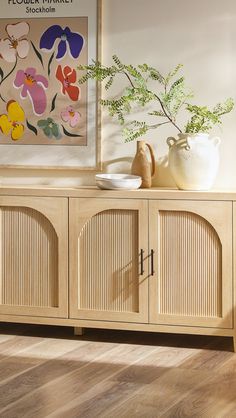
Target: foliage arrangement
{"points": [[169, 97]]}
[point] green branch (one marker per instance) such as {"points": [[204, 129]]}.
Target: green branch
{"points": [[169, 92]]}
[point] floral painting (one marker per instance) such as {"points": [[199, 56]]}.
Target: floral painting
{"points": [[41, 102]]}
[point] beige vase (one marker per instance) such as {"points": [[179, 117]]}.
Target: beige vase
{"points": [[141, 165]]}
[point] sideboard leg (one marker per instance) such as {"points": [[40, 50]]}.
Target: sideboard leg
{"points": [[78, 331], [234, 343]]}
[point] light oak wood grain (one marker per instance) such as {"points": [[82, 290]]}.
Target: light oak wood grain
{"points": [[192, 284], [76, 378], [198, 298], [92, 191], [115, 374], [34, 256], [210, 398], [117, 325], [22, 385], [106, 239], [155, 398]]}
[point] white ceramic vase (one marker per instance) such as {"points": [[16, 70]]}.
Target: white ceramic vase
{"points": [[193, 160]]}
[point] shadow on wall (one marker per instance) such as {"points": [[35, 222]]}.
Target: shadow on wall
{"points": [[77, 178], [124, 166], [162, 177]]}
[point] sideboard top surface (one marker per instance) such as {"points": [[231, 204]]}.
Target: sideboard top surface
{"points": [[93, 191]]}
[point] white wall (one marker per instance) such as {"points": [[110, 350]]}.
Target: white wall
{"points": [[199, 34]]}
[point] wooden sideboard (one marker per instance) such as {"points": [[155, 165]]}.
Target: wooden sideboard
{"points": [[153, 260]]}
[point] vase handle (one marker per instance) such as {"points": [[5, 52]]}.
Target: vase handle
{"points": [[171, 141], [216, 141], [152, 159]]}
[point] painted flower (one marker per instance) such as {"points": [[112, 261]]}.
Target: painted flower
{"points": [[67, 76], [34, 86], [71, 116], [15, 45], [10, 123], [49, 127], [68, 41]]}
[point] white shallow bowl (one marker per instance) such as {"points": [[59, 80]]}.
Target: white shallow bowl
{"points": [[118, 181]]}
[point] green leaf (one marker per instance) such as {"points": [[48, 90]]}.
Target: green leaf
{"points": [[49, 63], [31, 127], [55, 130], [203, 119], [72, 135], [168, 96], [37, 53], [133, 71], [175, 87], [109, 83], [143, 67], [173, 73], [53, 103], [42, 123], [157, 113], [118, 62], [132, 134], [223, 108], [47, 131]]}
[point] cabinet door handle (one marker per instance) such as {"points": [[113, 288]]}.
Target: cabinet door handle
{"points": [[152, 263], [142, 262]]}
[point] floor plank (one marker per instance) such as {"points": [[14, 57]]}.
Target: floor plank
{"points": [[214, 397], [75, 380], [47, 372], [125, 383]]}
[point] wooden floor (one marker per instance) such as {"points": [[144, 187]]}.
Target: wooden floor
{"points": [[47, 372]]}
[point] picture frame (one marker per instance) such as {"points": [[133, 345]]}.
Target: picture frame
{"points": [[60, 142]]}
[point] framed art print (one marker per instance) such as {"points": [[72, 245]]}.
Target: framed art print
{"points": [[47, 119]]}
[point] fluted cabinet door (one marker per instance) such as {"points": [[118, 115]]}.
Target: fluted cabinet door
{"points": [[34, 256], [108, 259], [192, 278]]}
